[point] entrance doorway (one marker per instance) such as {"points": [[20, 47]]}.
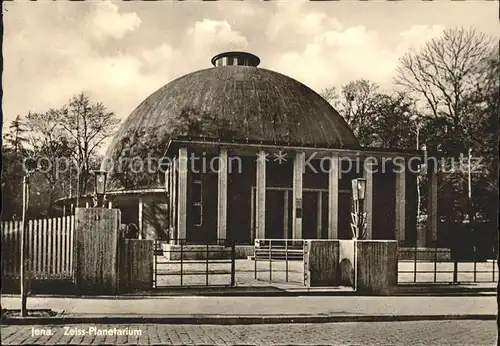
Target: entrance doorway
{"points": [[275, 214], [310, 215], [279, 205]]}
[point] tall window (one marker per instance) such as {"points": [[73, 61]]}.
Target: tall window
{"points": [[197, 203]]}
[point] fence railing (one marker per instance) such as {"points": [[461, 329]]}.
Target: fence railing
{"points": [[194, 265], [436, 265], [279, 257], [48, 248]]}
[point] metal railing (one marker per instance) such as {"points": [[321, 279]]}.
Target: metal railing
{"points": [[437, 265], [193, 264], [281, 256]]}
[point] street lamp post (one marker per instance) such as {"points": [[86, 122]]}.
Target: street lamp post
{"points": [[358, 215], [23, 245], [99, 188], [30, 167]]}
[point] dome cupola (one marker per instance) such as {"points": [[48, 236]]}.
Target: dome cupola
{"points": [[235, 59], [232, 101]]}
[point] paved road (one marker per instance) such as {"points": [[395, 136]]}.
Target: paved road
{"points": [[383, 333]]}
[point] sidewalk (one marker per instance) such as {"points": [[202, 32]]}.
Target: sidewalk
{"points": [[243, 310]]}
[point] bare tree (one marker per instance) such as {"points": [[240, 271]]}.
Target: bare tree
{"points": [[355, 102], [87, 125], [376, 118], [443, 74], [49, 144], [456, 78]]}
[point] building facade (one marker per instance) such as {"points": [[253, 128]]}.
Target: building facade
{"points": [[246, 153]]}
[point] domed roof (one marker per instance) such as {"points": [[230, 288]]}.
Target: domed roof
{"points": [[232, 102]]}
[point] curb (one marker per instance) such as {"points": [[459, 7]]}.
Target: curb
{"points": [[283, 293], [239, 320]]}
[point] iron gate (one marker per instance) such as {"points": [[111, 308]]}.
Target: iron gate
{"points": [[279, 260], [193, 265]]}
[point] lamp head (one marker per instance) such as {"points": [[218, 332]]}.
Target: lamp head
{"points": [[358, 189], [100, 182], [31, 165]]}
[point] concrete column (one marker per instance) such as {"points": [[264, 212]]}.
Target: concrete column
{"points": [[141, 220], [260, 198], [298, 172], [168, 184], [368, 170], [222, 197], [174, 177], [182, 194], [333, 198], [168, 187], [319, 215], [252, 214], [286, 221], [400, 215], [168, 192], [432, 217]]}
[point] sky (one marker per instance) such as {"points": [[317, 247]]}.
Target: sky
{"points": [[120, 52]]}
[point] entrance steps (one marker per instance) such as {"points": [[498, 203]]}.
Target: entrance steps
{"points": [[279, 252]]}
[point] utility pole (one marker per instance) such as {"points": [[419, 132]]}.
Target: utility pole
{"points": [[70, 187], [418, 174], [469, 175], [79, 160], [469, 199], [78, 187], [414, 118]]}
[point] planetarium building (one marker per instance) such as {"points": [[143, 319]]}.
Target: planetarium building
{"points": [[237, 153]]}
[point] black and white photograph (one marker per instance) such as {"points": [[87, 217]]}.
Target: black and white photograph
{"points": [[250, 172]]}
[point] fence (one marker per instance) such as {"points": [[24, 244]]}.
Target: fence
{"points": [[48, 248], [193, 265], [281, 257], [437, 265]]}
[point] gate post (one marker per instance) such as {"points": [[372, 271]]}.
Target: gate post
{"points": [[96, 250], [136, 265], [377, 267], [321, 259]]}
